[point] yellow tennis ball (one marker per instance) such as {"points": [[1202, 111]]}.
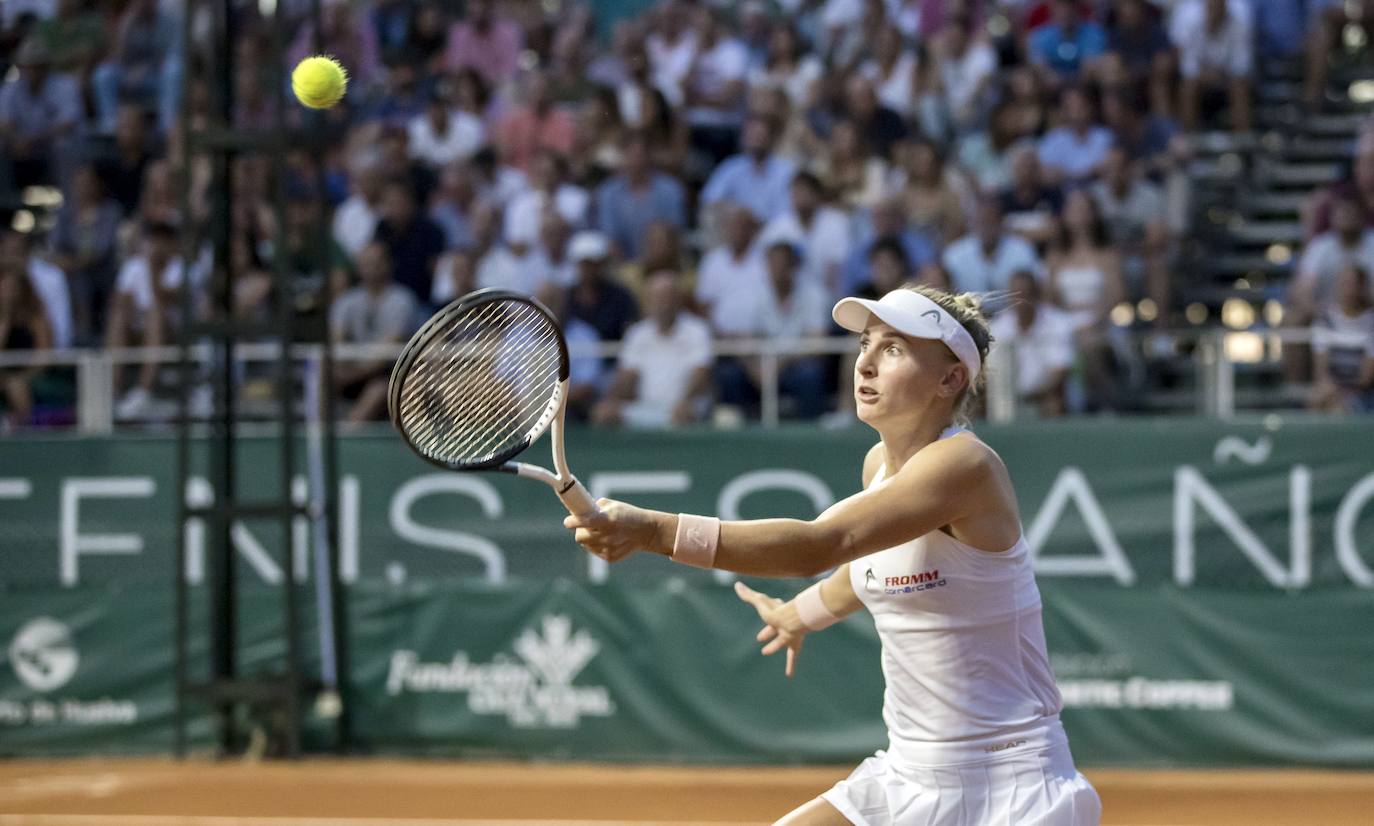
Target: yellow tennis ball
{"points": [[319, 82]]}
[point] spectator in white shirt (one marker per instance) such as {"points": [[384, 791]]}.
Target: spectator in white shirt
{"points": [[1041, 338], [983, 261], [377, 311], [730, 276], [1073, 151], [714, 87], [967, 65], [787, 310], [1216, 48], [145, 308], [664, 374], [355, 220], [443, 134], [1343, 347], [1349, 241], [49, 281], [823, 229]]}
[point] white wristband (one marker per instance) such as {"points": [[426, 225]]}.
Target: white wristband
{"points": [[812, 611], [696, 540]]}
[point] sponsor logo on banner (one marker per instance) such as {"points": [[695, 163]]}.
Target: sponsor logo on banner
{"points": [[45, 659], [1108, 681], [533, 691], [42, 654]]}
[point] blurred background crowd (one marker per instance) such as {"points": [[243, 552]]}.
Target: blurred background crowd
{"points": [[686, 173]]}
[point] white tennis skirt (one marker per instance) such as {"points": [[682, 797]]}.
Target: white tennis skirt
{"points": [[1034, 787]]}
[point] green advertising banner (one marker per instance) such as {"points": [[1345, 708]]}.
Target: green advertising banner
{"points": [[1207, 598]]}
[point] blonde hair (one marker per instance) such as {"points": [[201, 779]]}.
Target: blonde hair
{"points": [[967, 309]]}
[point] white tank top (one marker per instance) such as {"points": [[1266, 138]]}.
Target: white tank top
{"points": [[963, 648]]}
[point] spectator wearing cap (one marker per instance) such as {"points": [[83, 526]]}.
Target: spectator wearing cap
{"points": [[537, 123], [787, 310], [983, 261], [596, 297], [49, 282], [377, 311], [823, 230], [730, 275], [664, 374], [443, 134], [1073, 151], [485, 42], [638, 196], [756, 177], [84, 243], [1343, 346], [411, 239], [1068, 45], [40, 113], [1215, 44], [1041, 341]]}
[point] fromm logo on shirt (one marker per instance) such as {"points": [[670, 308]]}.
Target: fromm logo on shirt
{"points": [[913, 583]]}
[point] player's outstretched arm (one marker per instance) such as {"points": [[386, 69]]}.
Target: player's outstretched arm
{"points": [[784, 626], [943, 483]]}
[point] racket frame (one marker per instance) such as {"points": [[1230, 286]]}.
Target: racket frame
{"points": [[570, 491]]}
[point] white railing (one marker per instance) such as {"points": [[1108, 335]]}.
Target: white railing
{"points": [[1215, 358]]}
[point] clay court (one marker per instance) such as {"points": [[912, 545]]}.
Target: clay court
{"points": [[415, 793]]}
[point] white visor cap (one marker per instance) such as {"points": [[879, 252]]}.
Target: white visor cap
{"points": [[912, 314]]}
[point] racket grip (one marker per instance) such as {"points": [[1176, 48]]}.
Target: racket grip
{"points": [[577, 500]]}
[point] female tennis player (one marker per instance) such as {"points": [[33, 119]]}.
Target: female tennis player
{"points": [[933, 548]]}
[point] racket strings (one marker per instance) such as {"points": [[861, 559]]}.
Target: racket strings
{"points": [[473, 403], [482, 384]]}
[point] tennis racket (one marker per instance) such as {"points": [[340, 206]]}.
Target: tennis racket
{"points": [[480, 382]]}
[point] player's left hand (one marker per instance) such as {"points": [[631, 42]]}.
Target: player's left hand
{"points": [[782, 625], [615, 531]]}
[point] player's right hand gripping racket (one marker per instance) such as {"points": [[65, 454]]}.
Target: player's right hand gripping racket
{"points": [[480, 382]]}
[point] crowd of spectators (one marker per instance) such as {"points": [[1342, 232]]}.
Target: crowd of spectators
{"points": [[697, 172]]}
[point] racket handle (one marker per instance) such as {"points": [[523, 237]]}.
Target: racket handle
{"points": [[577, 500]]}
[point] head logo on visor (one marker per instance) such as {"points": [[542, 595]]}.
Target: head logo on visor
{"points": [[912, 314]]}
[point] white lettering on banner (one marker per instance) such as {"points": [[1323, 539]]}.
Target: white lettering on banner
{"points": [[15, 488], [1071, 485], [1190, 487], [1145, 693], [73, 542], [1347, 518], [809, 485], [349, 493], [605, 484], [460, 542], [534, 692], [199, 494]]}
